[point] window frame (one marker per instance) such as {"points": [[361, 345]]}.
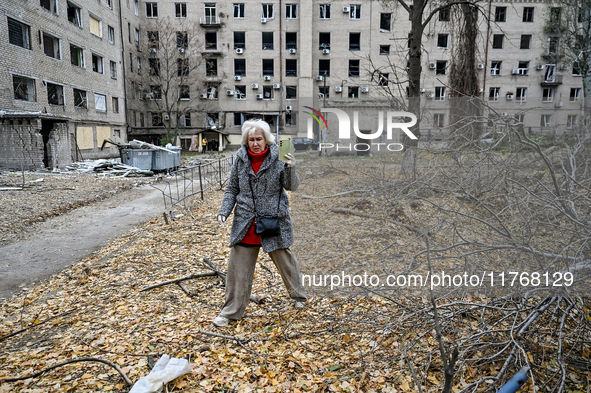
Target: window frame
{"points": [[323, 10], [293, 10], [494, 94], [495, 43], [81, 96], [56, 45], [355, 12], [151, 9], [500, 14], [180, 10], [528, 15], [267, 11], [77, 11], [439, 93], [240, 9], [99, 64], [441, 36], [61, 96], [31, 88], [548, 94]]}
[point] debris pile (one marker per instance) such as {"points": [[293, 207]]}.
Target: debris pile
{"points": [[112, 167]]}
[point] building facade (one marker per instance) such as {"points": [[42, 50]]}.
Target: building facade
{"points": [[61, 88], [198, 69]]}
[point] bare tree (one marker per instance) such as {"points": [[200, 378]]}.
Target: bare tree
{"points": [[168, 62]]}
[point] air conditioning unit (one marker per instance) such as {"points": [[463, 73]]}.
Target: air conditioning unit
{"points": [[263, 20], [338, 89], [166, 117], [237, 77], [259, 96], [515, 71], [430, 95], [510, 97], [512, 115], [289, 108], [422, 90], [255, 86], [277, 86], [346, 9], [365, 89], [558, 104], [153, 50], [181, 50], [229, 92], [319, 78], [325, 51], [540, 67], [504, 114], [267, 77], [562, 67], [432, 66], [239, 51], [203, 96], [481, 90], [481, 66], [293, 51], [320, 95]]}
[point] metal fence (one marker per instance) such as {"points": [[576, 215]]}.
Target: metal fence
{"points": [[197, 179]]}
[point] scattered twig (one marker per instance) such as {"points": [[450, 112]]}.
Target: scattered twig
{"points": [[332, 196], [116, 367], [190, 276], [35, 325], [362, 214]]}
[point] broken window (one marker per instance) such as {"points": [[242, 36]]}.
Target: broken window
{"points": [[24, 88], [240, 67], [77, 55], [291, 40], [268, 67], [239, 39], [51, 46], [291, 67], [211, 40], [324, 67], [267, 40], [55, 94], [19, 34], [323, 41], [74, 14]]}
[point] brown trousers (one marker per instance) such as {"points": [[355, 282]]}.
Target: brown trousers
{"points": [[241, 266]]}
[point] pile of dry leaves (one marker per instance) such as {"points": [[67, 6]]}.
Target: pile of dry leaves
{"points": [[356, 341]]}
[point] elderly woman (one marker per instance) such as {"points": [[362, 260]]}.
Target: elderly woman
{"points": [[256, 189]]}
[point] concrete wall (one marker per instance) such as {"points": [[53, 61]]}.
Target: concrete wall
{"points": [[22, 144]]}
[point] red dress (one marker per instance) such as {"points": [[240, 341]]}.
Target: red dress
{"points": [[256, 160]]}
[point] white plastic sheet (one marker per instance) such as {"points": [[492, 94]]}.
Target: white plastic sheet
{"points": [[164, 371]]}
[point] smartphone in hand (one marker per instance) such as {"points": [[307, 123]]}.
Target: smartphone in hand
{"points": [[284, 148]]}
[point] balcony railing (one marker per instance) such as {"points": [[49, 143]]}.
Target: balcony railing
{"points": [[209, 21]]}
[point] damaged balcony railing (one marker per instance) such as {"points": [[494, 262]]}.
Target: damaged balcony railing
{"points": [[197, 179]]}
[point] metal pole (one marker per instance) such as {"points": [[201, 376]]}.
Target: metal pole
{"points": [[200, 181], [220, 171]]}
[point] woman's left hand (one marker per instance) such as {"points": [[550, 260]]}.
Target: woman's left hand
{"points": [[291, 161]]}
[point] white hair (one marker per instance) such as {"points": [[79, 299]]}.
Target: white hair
{"points": [[251, 126]]}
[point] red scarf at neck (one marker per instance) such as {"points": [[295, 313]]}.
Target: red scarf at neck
{"points": [[256, 159]]}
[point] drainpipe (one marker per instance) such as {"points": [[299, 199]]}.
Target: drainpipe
{"points": [[280, 71], [124, 101], [486, 49]]}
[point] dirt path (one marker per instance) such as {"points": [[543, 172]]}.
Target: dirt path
{"points": [[65, 239]]}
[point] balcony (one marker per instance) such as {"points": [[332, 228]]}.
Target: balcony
{"points": [[555, 80], [210, 21]]}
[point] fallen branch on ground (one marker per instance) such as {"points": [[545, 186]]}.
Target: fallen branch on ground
{"points": [[190, 276], [116, 367], [331, 196], [362, 214], [34, 325]]}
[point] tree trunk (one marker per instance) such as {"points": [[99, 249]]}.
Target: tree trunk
{"points": [[414, 87]]}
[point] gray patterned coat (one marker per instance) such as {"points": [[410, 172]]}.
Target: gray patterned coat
{"points": [[271, 180]]}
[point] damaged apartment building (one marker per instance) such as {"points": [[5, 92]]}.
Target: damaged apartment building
{"points": [[61, 83], [75, 73]]}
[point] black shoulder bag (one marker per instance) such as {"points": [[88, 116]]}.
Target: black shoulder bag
{"points": [[266, 226]]}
